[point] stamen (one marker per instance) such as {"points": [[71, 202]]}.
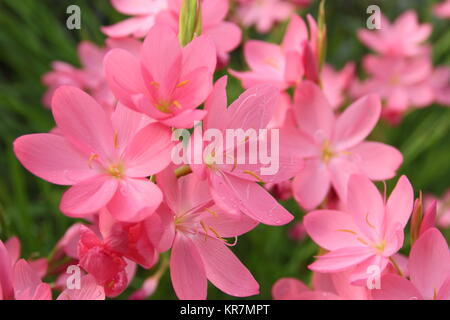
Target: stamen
{"points": [[92, 157], [368, 222], [254, 175], [116, 144], [212, 212], [362, 241], [347, 230], [155, 84], [177, 104], [204, 229], [182, 83]]}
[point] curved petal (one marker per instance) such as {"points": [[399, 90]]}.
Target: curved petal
{"points": [[216, 105], [89, 290], [394, 287], [83, 121], [311, 184], [429, 263], [149, 151], [88, 196], [378, 161], [356, 122], [224, 269], [52, 158], [187, 270], [313, 112], [288, 289], [135, 200], [341, 259], [400, 204], [6, 274]]}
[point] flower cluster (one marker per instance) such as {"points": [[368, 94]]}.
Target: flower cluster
{"points": [[119, 120]]}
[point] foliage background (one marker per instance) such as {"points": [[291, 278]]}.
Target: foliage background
{"points": [[33, 34]]}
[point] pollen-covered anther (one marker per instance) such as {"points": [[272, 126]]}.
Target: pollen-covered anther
{"points": [[116, 170]]}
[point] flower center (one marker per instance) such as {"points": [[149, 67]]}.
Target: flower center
{"points": [[327, 153], [116, 170]]}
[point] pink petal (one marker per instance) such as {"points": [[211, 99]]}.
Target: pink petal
{"points": [[288, 289], [6, 274], [224, 269], [13, 247], [378, 161], [261, 55], [25, 280], [216, 105], [52, 158], [228, 225], [400, 204], [89, 290], [149, 151], [199, 53], [187, 270], [226, 36], [366, 205], [83, 121], [185, 119], [254, 108], [136, 26], [394, 287], [341, 259], [250, 198], [429, 263], [133, 7], [123, 73], [356, 122], [88, 196], [331, 229], [313, 112], [311, 184], [135, 200]]}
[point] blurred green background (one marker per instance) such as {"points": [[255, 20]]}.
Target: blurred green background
{"points": [[33, 34]]}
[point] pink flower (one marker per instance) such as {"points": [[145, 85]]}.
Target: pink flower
{"points": [[168, 82], [225, 35], [90, 77], [368, 233], [279, 65], [195, 229], [440, 83], [106, 257], [442, 9], [443, 208], [89, 290], [402, 83], [106, 159], [233, 183], [263, 13], [429, 267], [335, 83], [333, 147], [402, 38], [143, 12]]}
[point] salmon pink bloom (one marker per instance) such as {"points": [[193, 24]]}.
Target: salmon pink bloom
{"points": [[233, 183], [333, 147], [442, 10], [367, 233], [403, 38], [429, 268], [225, 35], [279, 65], [402, 83], [106, 159], [195, 229], [293, 289], [168, 82], [264, 13], [144, 13]]}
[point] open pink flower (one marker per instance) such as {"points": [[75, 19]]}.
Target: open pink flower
{"points": [[106, 159], [402, 83], [143, 12], [225, 35], [333, 147], [368, 233], [404, 37], [263, 13], [168, 82], [429, 267], [279, 65], [195, 229], [232, 177], [442, 9]]}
